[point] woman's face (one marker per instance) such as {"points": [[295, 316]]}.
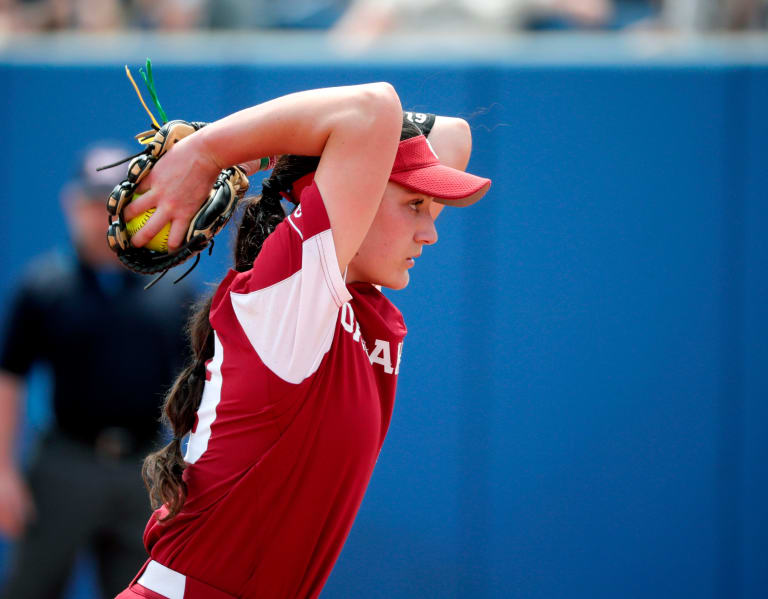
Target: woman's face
{"points": [[402, 227]]}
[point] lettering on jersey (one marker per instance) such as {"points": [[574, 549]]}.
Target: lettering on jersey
{"points": [[381, 355], [382, 351], [350, 324]]}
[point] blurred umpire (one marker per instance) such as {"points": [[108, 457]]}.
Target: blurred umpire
{"points": [[112, 349]]}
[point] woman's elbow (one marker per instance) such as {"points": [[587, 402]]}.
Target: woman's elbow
{"points": [[379, 105], [452, 139]]}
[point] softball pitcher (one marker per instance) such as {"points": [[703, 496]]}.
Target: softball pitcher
{"points": [[288, 395]]}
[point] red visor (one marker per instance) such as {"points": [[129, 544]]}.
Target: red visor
{"points": [[418, 168]]}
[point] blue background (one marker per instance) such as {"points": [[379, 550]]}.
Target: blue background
{"points": [[582, 406]]}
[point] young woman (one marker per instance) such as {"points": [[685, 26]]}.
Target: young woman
{"points": [[289, 391]]}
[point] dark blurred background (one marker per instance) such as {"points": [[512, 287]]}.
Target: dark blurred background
{"points": [[583, 402]]}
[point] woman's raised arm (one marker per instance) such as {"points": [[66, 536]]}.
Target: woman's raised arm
{"points": [[355, 130]]}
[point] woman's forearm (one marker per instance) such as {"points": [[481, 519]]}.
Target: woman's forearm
{"points": [[299, 123], [354, 129]]}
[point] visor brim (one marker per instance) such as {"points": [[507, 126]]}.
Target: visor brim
{"points": [[446, 185]]}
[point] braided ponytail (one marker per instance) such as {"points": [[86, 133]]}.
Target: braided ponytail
{"points": [[162, 470], [262, 214]]}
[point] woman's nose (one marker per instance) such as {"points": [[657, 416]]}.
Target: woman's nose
{"points": [[427, 234]]}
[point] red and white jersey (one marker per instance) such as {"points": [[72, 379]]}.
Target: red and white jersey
{"points": [[297, 401]]}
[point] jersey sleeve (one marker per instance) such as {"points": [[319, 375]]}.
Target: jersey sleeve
{"points": [[288, 303]]}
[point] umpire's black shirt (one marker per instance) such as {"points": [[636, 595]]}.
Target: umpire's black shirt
{"points": [[113, 348]]}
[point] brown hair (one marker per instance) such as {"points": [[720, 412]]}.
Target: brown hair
{"points": [[162, 470]]}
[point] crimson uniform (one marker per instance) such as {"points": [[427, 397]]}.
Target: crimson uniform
{"points": [[296, 405], [297, 401]]}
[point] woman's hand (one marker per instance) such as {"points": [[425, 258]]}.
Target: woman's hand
{"points": [[176, 187]]}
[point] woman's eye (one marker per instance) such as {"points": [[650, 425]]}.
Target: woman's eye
{"points": [[416, 203]]}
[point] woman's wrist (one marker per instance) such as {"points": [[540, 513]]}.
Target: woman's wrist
{"points": [[260, 164], [205, 149]]}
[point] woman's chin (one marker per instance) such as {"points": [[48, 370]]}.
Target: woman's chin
{"points": [[401, 282], [395, 282]]}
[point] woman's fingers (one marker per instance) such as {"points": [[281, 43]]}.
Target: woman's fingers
{"points": [[178, 233], [165, 211], [143, 187], [139, 204], [176, 187], [151, 228]]}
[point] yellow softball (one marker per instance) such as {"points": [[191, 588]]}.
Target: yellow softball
{"points": [[159, 242]]}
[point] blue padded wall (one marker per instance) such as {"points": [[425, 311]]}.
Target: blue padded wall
{"points": [[582, 405]]}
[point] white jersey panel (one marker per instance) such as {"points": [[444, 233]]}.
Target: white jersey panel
{"points": [[291, 323], [206, 413]]}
